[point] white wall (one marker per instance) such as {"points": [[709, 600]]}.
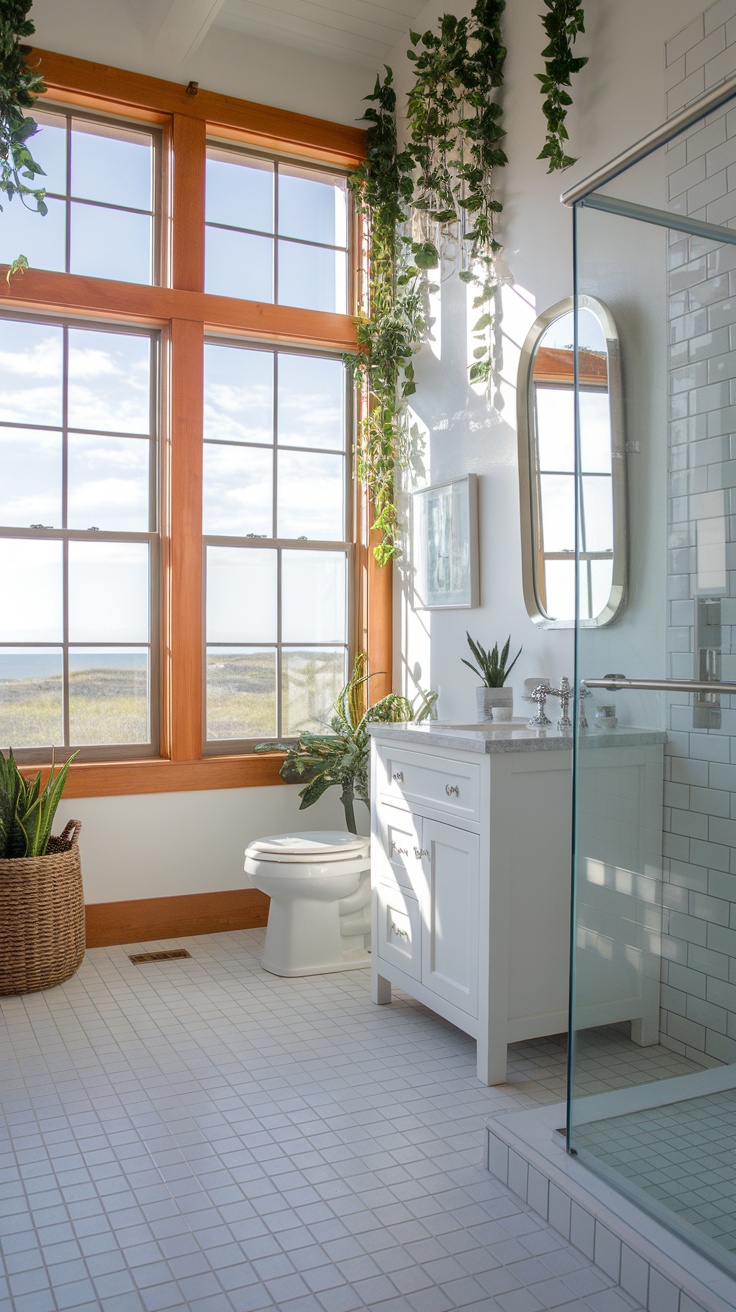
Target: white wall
{"points": [[619, 97], [193, 842]]}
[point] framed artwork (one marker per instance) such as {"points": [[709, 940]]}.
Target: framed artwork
{"points": [[445, 545]]}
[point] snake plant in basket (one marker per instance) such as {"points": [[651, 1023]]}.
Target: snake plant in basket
{"points": [[42, 929], [342, 758]]}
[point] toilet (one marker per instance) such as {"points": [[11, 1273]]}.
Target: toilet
{"points": [[320, 891]]}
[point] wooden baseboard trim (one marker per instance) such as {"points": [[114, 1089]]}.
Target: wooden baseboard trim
{"points": [[152, 918]]}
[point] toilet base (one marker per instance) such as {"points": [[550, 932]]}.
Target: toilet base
{"points": [[352, 961]]}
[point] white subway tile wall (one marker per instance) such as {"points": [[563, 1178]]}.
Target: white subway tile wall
{"points": [[699, 941]]}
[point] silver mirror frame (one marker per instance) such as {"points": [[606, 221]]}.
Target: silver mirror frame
{"points": [[528, 465]]}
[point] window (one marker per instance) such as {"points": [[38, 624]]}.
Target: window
{"points": [[184, 571], [77, 445], [101, 190], [276, 540], [276, 231]]}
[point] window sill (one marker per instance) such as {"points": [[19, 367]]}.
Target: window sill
{"points": [[124, 778]]}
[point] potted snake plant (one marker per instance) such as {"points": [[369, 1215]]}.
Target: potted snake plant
{"points": [[42, 928], [494, 700]]}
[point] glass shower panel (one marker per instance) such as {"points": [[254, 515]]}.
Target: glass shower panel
{"points": [[652, 1090]]}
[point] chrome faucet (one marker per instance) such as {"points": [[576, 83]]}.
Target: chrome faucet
{"points": [[564, 692]]}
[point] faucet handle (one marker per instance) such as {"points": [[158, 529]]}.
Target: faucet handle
{"points": [[583, 693], [539, 695]]}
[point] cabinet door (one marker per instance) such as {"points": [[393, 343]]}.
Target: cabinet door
{"points": [[450, 914]]}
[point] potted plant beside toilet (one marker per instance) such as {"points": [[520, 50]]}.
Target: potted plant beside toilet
{"points": [[42, 928], [495, 701]]}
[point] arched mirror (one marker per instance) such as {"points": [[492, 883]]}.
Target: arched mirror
{"points": [[548, 470]]}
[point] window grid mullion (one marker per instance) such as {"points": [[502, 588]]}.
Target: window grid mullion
{"points": [[276, 232], [279, 650]]}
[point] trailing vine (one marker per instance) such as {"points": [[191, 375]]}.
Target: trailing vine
{"points": [[19, 87], [393, 325], [435, 195], [562, 25], [455, 134]]}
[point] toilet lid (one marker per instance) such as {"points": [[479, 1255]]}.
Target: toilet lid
{"points": [[317, 845]]}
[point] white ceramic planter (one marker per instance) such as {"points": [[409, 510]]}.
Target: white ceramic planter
{"points": [[495, 703]]}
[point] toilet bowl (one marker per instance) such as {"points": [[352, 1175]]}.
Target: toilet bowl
{"points": [[319, 886]]}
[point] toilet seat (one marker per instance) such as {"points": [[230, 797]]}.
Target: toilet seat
{"points": [[315, 847]]}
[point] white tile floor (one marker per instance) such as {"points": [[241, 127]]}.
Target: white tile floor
{"points": [[682, 1155], [201, 1135]]}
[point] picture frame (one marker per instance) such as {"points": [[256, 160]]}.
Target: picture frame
{"points": [[445, 545]]}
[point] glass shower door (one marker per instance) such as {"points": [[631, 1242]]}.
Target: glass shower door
{"points": [[652, 1089]]}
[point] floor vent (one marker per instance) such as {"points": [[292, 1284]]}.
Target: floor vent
{"points": [[174, 954]]}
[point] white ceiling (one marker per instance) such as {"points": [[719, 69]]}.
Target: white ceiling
{"points": [[360, 32]]}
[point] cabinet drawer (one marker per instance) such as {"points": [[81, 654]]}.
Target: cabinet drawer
{"points": [[398, 856], [414, 779], [399, 929]]}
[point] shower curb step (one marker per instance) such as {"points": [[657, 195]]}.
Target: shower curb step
{"points": [[647, 1261]]}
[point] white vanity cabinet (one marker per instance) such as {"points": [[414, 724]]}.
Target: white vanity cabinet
{"points": [[470, 871]]}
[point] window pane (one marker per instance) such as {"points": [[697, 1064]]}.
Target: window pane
{"points": [[601, 579], [30, 365], [31, 712], [598, 508], [48, 148], [241, 693], [312, 678], [558, 512], [314, 596], [108, 483], [238, 264], [556, 427], [108, 592], [311, 402], [310, 496], [239, 190], [312, 278], [30, 478], [109, 381], [40, 237], [595, 432], [241, 594], [111, 163], [32, 591], [238, 490], [238, 394], [560, 579], [312, 205], [111, 244], [109, 697]]}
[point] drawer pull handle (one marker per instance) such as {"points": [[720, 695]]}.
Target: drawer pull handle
{"points": [[400, 851], [399, 933], [419, 852], [398, 775], [452, 790]]}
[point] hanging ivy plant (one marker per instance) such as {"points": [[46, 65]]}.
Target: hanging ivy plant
{"points": [[19, 87], [393, 325], [455, 133], [562, 25], [438, 192]]}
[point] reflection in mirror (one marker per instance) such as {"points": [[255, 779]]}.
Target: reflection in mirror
{"points": [[549, 475]]}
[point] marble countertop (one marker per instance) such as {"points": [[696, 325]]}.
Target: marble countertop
{"points": [[516, 736]]}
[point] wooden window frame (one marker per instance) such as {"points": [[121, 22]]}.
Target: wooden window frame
{"points": [[183, 312]]}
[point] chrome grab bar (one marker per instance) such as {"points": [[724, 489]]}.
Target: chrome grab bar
{"points": [[618, 683]]}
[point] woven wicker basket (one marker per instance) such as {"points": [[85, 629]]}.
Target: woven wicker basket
{"points": [[42, 932]]}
